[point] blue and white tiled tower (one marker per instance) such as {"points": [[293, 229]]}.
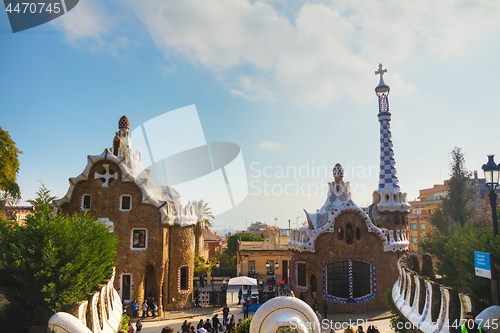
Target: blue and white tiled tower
{"points": [[388, 197]]}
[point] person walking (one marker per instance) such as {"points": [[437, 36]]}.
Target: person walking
{"points": [[208, 325], [185, 327], [246, 308], [225, 313], [144, 309], [138, 326], [135, 309], [325, 308], [197, 297], [240, 295], [215, 322], [155, 309], [318, 315]]}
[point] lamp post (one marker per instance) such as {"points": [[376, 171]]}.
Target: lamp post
{"points": [[491, 173], [261, 285], [276, 266]]}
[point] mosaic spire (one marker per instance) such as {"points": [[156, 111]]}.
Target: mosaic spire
{"points": [[388, 178]]}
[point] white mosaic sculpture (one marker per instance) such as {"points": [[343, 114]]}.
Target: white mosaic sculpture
{"points": [[285, 314], [110, 310]]}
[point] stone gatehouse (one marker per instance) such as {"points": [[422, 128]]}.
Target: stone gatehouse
{"points": [[155, 232]]}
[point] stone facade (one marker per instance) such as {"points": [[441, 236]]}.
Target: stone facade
{"points": [[155, 233]]}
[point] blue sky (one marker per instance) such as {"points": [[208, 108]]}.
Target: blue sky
{"points": [[291, 82]]}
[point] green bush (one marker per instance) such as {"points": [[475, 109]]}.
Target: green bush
{"points": [[125, 320], [396, 317], [50, 263], [245, 326]]}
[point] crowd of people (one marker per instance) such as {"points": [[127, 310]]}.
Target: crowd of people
{"points": [[148, 306], [226, 325]]}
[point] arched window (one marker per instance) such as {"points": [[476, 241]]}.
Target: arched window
{"points": [[350, 281], [339, 233], [349, 237], [396, 221]]}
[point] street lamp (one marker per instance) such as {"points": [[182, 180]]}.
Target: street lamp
{"points": [[267, 264], [491, 173], [261, 285], [276, 264], [224, 285]]}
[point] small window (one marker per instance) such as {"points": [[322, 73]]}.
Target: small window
{"points": [[423, 239], [139, 238], [430, 212], [358, 233], [414, 240], [125, 203], [422, 226], [86, 201], [433, 227], [301, 274], [413, 226], [251, 267], [396, 221], [184, 278], [349, 237], [126, 287], [339, 233]]}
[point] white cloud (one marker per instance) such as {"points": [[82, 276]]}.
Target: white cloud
{"points": [[90, 24], [269, 145], [89, 19], [323, 52]]}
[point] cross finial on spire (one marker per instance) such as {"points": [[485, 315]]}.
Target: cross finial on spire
{"points": [[380, 71]]}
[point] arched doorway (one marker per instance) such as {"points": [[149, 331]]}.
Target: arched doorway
{"points": [[150, 282]]}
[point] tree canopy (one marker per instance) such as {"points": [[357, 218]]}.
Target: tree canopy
{"points": [[460, 230], [457, 208], [9, 165], [204, 213], [50, 263], [232, 241]]}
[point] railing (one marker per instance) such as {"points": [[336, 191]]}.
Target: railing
{"points": [[430, 307]]}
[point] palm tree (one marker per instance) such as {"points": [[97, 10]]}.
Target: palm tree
{"points": [[204, 213]]}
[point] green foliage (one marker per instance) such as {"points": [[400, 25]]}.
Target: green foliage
{"points": [[397, 320], [232, 241], [9, 165], [125, 321], [201, 267], [457, 208], [204, 213], [51, 263], [455, 255], [245, 326], [226, 259]]}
